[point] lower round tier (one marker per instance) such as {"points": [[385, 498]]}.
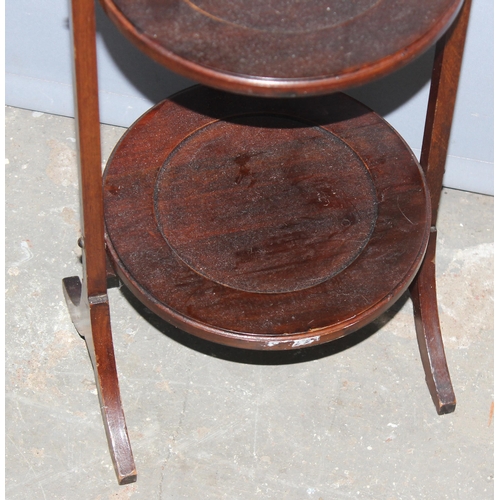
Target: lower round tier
{"points": [[265, 223]]}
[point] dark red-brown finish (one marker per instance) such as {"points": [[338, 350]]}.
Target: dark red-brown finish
{"points": [[430, 342], [265, 223], [282, 48], [443, 92], [444, 85], [87, 299], [263, 203]]}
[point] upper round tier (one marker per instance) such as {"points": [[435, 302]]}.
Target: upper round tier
{"points": [[282, 47]]}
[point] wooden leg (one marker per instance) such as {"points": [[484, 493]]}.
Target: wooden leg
{"points": [[444, 84], [92, 322], [87, 299], [430, 342]]}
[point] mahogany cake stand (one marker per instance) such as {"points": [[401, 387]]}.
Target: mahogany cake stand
{"points": [[249, 218]]}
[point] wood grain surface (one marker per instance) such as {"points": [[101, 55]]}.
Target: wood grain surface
{"points": [[282, 47], [265, 223]]}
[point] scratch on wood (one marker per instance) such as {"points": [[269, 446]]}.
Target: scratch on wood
{"points": [[404, 215]]}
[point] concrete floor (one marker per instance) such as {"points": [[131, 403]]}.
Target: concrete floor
{"points": [[352, 419]]}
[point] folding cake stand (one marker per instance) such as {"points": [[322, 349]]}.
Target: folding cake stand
{"points": [[252, 219]]}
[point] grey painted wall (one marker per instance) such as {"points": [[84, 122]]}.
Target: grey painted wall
{"points": [[39, 77]]}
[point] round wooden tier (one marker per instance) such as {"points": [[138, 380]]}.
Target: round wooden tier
{"points": [[281, 47], [265, 223]]}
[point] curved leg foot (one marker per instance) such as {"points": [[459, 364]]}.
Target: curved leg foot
{"points": [[91, 319], [423, 294]]}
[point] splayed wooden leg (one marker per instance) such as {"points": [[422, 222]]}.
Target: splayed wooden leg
{"points": [[430, 342], [92, 321], [444, 85]]}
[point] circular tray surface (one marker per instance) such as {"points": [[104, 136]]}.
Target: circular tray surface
{"points": [[282, 47], [265, 223]]}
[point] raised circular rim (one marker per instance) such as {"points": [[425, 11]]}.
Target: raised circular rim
{"points": [[216, 269]]}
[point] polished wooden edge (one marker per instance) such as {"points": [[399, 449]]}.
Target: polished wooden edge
{"points": [[267, 342], [270, 87]]}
